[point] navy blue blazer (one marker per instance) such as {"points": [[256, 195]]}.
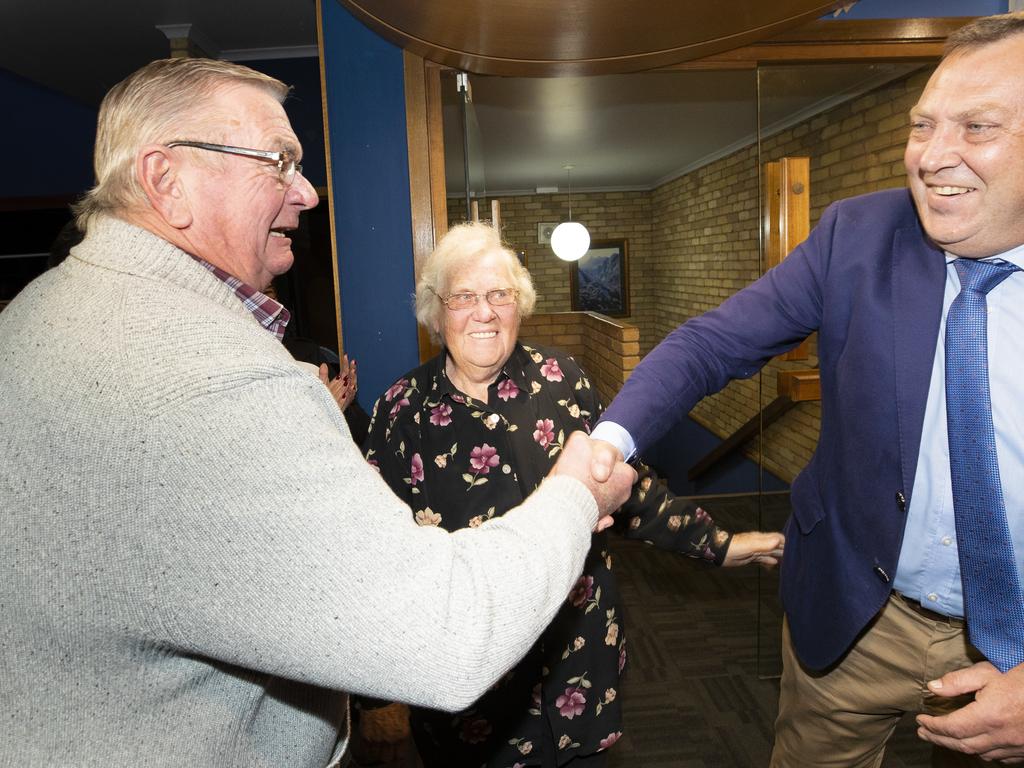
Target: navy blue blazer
{"points": [[870, 282]]}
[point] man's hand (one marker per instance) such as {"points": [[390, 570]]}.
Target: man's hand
{"points": [[754, 547], [598, 466], [604, 459], [992, 726]]}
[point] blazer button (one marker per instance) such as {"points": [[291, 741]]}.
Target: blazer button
{"points": [[880, 573], [901, 501]]}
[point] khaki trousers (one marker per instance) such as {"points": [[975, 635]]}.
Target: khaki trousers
{"points": [[842, 717]]}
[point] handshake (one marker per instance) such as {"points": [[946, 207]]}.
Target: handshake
{"points": [[599, 466]]}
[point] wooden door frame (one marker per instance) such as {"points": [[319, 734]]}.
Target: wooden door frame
{"points": [[821, 41]]}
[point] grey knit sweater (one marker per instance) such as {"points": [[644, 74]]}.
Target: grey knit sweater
{"points": [[195, 561]]}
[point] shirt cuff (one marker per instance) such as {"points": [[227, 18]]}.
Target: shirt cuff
{"points": [[615, 434]]}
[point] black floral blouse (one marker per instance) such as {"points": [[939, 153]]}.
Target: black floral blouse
{"points": [[458, 462]]}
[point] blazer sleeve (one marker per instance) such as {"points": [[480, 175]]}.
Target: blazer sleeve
{"points": [[732, 341]]}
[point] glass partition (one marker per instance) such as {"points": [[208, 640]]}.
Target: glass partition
{"points": [[465, 158], [850, 139], [696, 228]]}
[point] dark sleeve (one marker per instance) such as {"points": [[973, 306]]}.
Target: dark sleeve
{"points": [[383, 450], [655, 515], [586, 394], [358, 422]]}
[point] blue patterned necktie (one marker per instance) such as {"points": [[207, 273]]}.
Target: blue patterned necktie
{"points": [[993, 602]]}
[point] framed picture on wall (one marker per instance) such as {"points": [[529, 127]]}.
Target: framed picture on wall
{"points": [[599, 282]]}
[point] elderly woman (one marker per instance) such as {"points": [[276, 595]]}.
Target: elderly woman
{"points": [[467, 436]]}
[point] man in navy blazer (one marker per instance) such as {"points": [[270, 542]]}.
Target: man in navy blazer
{"points": [[870, 580]]}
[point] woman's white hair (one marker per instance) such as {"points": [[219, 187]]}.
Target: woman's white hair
{"points": [[461, 247], [165, 100]]}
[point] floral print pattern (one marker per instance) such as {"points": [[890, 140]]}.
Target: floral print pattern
{"points": [[571, 703], [459, 462], [507, 390], [483, 457], [582, 591], [427, 517], [441, 415], [395, 390], [610, 739], [544, 434], [551, 370], [416, 470]]}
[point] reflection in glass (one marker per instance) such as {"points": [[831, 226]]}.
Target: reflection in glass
{"points": [[850, 121], [472, 146]]}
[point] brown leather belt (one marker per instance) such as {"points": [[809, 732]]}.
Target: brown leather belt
{"points": [[920, 610]]}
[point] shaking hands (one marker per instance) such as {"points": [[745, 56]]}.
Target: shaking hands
{"points": [[599, 466]]}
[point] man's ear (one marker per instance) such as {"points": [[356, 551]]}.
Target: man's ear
{"points": [[161, 181]]}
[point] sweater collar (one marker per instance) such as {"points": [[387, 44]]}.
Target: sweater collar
{"points": [[119, 246]]}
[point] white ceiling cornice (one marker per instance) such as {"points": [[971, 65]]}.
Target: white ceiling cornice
{"points": [[263, 54]]}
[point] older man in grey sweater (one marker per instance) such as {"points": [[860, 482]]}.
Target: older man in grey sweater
{"points": [[187, 575]]}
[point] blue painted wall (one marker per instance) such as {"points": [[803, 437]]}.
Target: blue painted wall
{"points": [[686, 444], [49, 139], [304, 109], [366, 122], [923, 9], [54, 134]]}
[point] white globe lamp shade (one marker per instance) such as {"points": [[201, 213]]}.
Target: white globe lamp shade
{"points": [[570, 241]]}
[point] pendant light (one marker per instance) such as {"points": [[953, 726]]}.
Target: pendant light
{"points": [[570, 240]]}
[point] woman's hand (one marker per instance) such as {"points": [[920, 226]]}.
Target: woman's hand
{"points": [[343, 387], [754, 547]]}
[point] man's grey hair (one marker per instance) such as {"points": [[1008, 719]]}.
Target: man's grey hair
{"points": [[984, 31], [163, 101], [460, 248]]}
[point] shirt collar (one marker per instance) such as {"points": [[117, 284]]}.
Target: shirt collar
{"points": [[1015, 256], [517, 365], [269, 313], [514, 368]]}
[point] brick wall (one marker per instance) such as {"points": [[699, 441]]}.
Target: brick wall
{"points": [[608, 216], [694, 241], [706, 243], [856, 147]]}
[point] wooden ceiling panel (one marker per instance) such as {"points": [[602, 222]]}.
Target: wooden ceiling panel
{"points": [[577, 37]]}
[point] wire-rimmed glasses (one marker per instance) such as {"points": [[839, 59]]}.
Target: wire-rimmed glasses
{"points": [[284, 160], [498, 297]]}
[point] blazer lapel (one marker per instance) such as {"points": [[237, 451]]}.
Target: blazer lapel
{"points": [[918, 281]]}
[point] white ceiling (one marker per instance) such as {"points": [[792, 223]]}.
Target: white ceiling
{"points": [[619, 131], [631, 132]]}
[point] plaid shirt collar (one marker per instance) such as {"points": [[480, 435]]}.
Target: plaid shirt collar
{"points": [[268, 313]]}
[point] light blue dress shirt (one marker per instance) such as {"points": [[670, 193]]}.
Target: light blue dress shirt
{"points": [[929, 568], [617, 435]]}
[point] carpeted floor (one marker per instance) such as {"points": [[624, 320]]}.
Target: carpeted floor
{"points": [[701, 688]]}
